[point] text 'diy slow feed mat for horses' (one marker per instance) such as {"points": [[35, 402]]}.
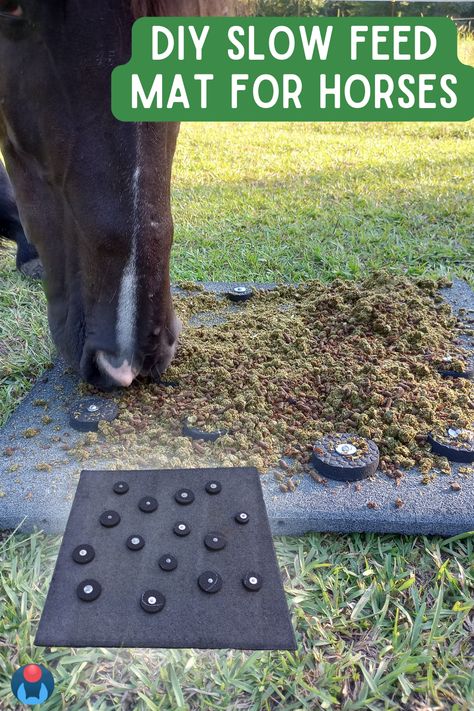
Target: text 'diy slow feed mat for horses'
{"points": [[173, 558]]}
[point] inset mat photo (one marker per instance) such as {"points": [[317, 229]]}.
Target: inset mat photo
{"points": [[171, 558]]}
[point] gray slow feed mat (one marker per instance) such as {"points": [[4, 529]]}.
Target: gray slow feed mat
{"points": [[172, 558]]}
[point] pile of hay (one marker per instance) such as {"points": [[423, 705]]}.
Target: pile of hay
{"points": [[294, 363]]}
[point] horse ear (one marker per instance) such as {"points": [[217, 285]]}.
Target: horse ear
{"points": [[188, 8]]}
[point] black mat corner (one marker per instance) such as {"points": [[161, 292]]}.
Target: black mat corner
{"points": [[234, 617]]}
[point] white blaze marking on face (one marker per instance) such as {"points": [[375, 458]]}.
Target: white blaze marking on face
{"points": [[127, 302]]}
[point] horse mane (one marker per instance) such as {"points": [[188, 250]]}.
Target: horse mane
{"points": [[186, 8]]}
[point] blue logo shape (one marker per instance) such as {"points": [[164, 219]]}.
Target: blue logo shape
{"points": [[32, 684]]}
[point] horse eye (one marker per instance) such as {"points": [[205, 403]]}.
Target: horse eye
{"points": [[11, 8]]}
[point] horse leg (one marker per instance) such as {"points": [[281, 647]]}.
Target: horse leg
{"points": [[27, 260]]}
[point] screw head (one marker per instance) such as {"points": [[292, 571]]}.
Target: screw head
{"points": [[454, 433], [346, 448]]}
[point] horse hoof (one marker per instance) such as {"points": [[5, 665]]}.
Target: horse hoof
{"points": [[33, 269]]}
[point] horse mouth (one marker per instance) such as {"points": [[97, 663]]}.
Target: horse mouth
{"points": [[121, 375]]}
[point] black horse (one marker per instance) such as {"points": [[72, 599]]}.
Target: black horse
{"points": [[27, 260], [93, 193]]}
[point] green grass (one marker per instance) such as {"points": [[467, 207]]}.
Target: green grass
{"points": [[292, 202], [466, 47], [25, 345], [383, 622]]}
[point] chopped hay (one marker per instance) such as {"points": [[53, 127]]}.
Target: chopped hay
{"points": [[292, 364]]}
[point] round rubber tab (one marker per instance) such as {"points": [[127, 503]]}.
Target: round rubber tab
{"points": [[184, 496], [88, 590], [135, 542], [451, 367], [252, 581], [181, 528], [457, 444], [213, 487], [345, 457], [242, 517], [168, 562], [152, 601], [148, 504], [87, 413], [215, 541], [467, 374], [109, 519], [121, 487], [210, 581], [83, 554], [240, 293], [205, 435]]}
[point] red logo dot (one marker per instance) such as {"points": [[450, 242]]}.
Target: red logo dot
{"points": [[32, 673]]}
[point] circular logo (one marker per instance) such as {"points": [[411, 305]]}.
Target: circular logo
{"points": [[32, 684]]}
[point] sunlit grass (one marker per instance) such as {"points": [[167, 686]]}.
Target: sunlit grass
{"points": [[288, 202], [466, 48]]}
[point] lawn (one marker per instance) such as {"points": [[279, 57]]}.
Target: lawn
{"points": [[383, 622]]}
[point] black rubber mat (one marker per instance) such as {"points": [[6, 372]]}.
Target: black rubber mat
{"points": [[173, 558]]}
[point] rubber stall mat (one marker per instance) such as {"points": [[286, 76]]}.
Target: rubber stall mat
{"points": [[172, 558]]}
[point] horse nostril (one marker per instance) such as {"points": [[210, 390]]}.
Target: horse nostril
{"points": [[122, 375]]}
